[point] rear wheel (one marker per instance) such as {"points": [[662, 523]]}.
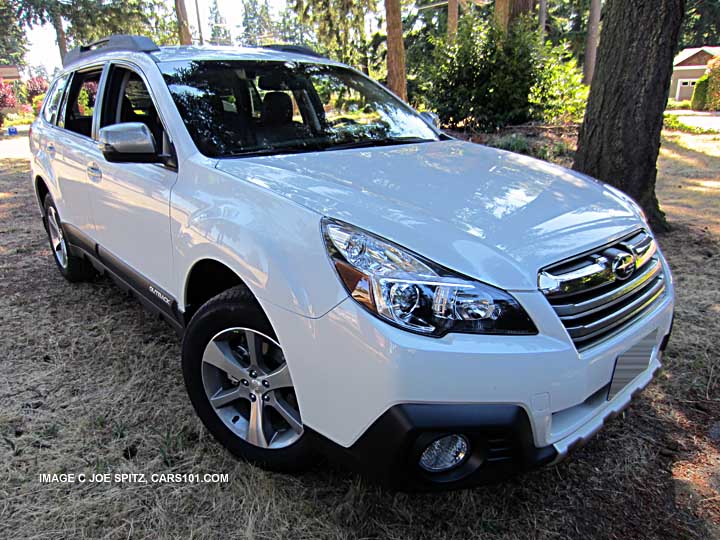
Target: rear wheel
{"points": [[240, 384], [72, 268]]}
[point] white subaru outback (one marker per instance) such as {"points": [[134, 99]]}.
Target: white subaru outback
{"points": [[347, 279]]}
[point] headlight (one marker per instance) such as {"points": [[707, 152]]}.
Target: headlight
{"points": [[415, 294]]}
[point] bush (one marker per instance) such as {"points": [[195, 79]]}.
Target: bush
{"points": [[37, 103], [486, 78], [559, 94], [699, 97], [673, 123], [7, 96], [713, 89], [514, 142], [35, 87], [21, 119], [673, 105]]}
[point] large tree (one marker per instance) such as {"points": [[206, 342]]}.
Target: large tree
{"points": [[508, 10], [396, 79], [183, 23], [619, 139], [702, 23], [339, 26], [219, 33], [593, 37], [256, 22], [81, 21], [13, 43]]}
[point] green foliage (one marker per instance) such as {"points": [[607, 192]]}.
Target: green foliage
{"points": [[219, 33], [13, 43], [19, 119], [152, 18], [37, 103], [701, 25], [257, 23], [339, 26], [684, 105], [673, 123], [700, 93], [713, 89], [486, 79], [514, 142], [559, 94]]}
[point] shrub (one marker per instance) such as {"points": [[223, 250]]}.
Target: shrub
{"points": [[486, 78], [699, 97], [514, 142], [713, 89], [7, 96], [22, 119], [673, 105], [559, 94], [37, 103], [673, 123], [35, 87]]}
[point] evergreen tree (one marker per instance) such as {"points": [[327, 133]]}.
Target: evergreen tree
{"points": [[257, 25], [13, 43], [219, 34]]}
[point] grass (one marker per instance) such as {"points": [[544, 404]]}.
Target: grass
{"points": [[91, 383]]}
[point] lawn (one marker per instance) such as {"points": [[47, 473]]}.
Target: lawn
{"points": [[91, 383]]}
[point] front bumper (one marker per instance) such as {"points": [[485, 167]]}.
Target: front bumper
{"points": [[376, 394]]}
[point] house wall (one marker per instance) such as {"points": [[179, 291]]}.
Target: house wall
{"points": [[681, 76]]}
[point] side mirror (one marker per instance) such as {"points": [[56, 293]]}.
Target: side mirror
{"points": [[431, 118], [129, 142]]}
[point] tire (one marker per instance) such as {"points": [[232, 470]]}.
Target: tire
{"points": [[218, 365], [74, 269]]}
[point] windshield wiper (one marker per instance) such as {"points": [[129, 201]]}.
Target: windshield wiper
{"points": [[386, 141]]}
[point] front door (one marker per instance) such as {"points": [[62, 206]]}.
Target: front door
{"points": [[131, 201]]}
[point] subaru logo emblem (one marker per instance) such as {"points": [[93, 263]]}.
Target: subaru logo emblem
{"points": [[623, 266]]}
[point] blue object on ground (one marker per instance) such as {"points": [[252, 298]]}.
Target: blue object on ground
{"points": [[12, 131]]}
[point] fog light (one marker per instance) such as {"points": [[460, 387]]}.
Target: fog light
{"points": [[445, 453]]}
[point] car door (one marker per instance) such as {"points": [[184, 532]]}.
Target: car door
{"points": [[71, 146], [131, 201]]}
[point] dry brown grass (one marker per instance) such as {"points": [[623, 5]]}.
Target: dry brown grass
{"points": [[91, 383]]}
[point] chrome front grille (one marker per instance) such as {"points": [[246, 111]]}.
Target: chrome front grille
{"points": [[599, 293]]}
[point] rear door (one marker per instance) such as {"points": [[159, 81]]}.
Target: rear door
{"points": [[131, 201], [77, 153]]}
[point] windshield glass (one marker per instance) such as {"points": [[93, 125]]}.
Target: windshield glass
{"points": [[236, 108]]}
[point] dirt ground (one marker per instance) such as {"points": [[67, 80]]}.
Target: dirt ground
{"points": [[90, 383]]}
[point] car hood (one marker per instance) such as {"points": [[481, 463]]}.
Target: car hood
{"points": [[487, 213]]}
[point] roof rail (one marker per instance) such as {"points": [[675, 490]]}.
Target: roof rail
{"points": [[297, 49], [110, 43]]}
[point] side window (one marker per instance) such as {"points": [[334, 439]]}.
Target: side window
{"points": [[52, 103], [127, 99], [80, 103]]}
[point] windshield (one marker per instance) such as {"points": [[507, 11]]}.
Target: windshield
{"points": [[234, 108]]}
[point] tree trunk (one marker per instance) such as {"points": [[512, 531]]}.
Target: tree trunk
{"points": [[593, 36], [395, 49], [60, 33], [542, 17], [619, 140], [197, 14], [183, 24], [452, 23], [506, 11]]}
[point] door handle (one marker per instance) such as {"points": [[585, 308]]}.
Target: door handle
{"points": [[94, 173], [50, 149]]}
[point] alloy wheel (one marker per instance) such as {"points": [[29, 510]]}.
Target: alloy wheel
{"points": [[247, 382], [57, 240]]}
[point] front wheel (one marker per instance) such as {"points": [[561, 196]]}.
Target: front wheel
{"points": [[240, 385]]}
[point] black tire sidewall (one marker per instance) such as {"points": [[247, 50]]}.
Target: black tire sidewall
{"points": [[217, 315], [77, 268]]}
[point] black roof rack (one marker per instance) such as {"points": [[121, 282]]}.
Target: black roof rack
{"points": [[297, 49], [111, 43]]}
